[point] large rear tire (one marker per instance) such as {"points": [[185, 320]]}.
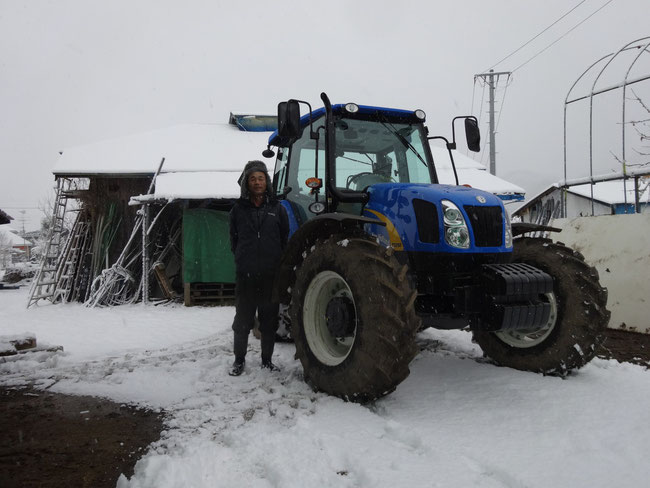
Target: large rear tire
{"points": [[578, 317], [353, 319]]}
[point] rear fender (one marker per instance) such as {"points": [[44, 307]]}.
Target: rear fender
{"points": [[319, 227]]}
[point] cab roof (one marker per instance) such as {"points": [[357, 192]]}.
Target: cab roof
{"points": [[365, 111]]}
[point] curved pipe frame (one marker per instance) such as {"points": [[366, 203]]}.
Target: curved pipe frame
{"points": [[643, 44]]}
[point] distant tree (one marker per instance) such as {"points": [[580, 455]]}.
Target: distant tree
{"points": [[46, 206], [5, 250], [642, 128]]}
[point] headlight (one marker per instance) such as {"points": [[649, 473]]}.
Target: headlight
{"points": [[420, 114], [508, 242], [456, 231]]}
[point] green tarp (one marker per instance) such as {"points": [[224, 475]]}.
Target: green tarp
{"points": [[206, 247]]}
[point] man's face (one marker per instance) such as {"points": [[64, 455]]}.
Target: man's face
{"points": [[257, 183]]}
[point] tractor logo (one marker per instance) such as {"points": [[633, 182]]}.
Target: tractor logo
{"points": [[481, 198]]}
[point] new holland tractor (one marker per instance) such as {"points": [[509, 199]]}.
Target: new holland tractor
{"points": [[379, 250]]}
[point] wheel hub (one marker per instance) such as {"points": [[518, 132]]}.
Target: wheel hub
{"points": [[340, 316], [329, 318]]}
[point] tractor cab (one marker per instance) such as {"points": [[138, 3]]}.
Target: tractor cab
{"points": [[370, 145]]}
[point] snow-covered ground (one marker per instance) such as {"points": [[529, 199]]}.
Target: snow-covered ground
{"points": [[457, 421]]}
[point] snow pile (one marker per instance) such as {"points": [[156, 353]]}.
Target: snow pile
{"points": [[456, 421], [10, 343]]}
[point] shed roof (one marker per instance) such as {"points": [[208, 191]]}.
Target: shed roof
{"points": [[192, 147]]}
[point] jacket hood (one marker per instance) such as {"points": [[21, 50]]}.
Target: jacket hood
{"points": [[251, 167]]}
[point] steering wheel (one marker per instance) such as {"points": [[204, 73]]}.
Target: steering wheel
{"points": [[352, 178]]}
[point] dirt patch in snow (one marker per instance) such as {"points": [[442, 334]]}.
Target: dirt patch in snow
{"points": [[54, 440], [625, 346]]}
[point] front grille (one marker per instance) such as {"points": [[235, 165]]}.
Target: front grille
{"points": [[487, 225], [426, 216]]}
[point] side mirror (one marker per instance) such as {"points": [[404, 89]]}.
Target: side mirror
{"points": [[472, 134], [289, 119]]}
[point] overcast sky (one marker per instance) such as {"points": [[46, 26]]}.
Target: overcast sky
{"points": [[76, 72]]}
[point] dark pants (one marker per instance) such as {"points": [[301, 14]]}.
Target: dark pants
{"points": [[253, 294]]}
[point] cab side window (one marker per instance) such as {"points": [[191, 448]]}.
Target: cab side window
{"points": [[302, 166]]}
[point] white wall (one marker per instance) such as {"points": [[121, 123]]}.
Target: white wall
{"points": [[549, 205], [619, 247], [577, 206]]}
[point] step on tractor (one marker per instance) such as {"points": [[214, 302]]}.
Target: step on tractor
{"points": [[380, 250]]}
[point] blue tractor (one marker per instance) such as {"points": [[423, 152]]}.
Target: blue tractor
{"points": [[380, 250]]}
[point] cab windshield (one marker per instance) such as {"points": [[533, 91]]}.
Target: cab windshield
{"points": [[370, 152], [366, 153]]}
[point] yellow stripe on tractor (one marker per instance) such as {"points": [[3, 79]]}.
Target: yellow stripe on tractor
{"points": [[395, 240]]}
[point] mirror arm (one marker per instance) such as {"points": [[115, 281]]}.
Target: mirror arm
{"points": [[453, 128], [450, 146]]}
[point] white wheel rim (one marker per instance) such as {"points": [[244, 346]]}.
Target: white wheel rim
{"points": [[328, 349], [525, 338]]}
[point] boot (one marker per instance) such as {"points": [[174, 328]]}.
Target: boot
{"points": [[270, 366], [237, 368]]}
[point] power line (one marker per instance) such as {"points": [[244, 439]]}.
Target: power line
{"points": [[565, 34], [533, 38]]}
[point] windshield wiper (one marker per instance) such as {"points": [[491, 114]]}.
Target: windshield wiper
{"points": [[401, 138]]}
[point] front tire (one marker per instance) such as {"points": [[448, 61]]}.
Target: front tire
{"points": [[577, 322], [353, 319]]}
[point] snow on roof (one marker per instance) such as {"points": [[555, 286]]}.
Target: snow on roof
{"points": [[192, 147], [471, 173], [609, 192], [7, 233], [194, 185]]}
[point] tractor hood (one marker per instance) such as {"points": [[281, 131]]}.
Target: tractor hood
{"points": [[413, 214]]}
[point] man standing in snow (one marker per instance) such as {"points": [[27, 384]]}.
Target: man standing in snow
{"points": [[259, 228]]}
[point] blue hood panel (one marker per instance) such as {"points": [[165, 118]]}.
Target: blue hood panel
{"points": [[394, 201]]}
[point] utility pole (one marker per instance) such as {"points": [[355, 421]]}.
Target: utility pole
{"points": [[489, 78], [22, 221]]}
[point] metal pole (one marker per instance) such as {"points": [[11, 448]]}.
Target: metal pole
{"points": [[145, 254], [493, 162], [637, 207], [489, 79]]}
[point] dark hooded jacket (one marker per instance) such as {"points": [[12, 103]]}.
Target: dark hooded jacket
{"points": [[258, 235]]}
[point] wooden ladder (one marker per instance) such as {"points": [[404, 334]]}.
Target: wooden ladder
{"points": [[75, 248]]}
